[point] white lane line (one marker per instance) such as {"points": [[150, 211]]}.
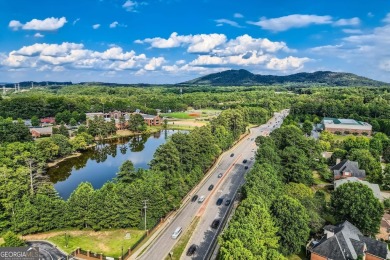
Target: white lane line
{"points": [[41, 249]]}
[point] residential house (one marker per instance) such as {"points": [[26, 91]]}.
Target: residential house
{"points": [[345, 126], [346, 169], [152, 119], [345, 241], [48, 120], [37, 132], [374, 187]]}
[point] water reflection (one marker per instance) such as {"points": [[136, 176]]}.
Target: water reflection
{"points": [[101, 163]]}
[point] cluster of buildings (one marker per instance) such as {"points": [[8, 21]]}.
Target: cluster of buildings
{"points": [[47, 123], [344, 126], [345, 241], [150, 120]]}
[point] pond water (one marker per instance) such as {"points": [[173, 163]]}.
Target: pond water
{"points": [[101, 163]]}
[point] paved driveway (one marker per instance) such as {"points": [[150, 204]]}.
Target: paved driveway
{"points": [[47, 251]]}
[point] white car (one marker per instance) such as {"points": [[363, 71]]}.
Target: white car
{"points": [[201, 199], [177, 232]]}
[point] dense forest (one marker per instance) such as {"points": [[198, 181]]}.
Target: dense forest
{"points": [[285, 162]]}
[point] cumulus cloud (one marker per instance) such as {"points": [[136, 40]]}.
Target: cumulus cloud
{"points": [[96, 26], [347, 22], [154, 63], [288, 63], [15, 25], [38, 35], [198, 43], [130, 5], [291, 21], [49, 24], [70, 56], [221, 22], [370, 46], [238, 15], [114, 24]]}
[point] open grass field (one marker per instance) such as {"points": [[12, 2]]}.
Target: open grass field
{"points": [[107, 242], [178, 115]]}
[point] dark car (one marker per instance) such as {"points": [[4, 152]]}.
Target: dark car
{"points": [[244, 161], [227, 202], [246, 167], [219, 201], [191, 250], [220, 175], [211, 187], [215, 223], [232, 155], [194, 198]]}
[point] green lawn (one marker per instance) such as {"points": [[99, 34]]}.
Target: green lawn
{"points": [[179, 115], [107, 242], [183, 241]]}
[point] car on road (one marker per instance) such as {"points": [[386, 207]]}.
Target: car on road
{"points": [[246, 167], [201, 199], [215, 223], [227, 202], [177, 232], [191, 250], [220, 175], [219, 201], [232, 155], [244, 161], [211, 187], [194, 198]]}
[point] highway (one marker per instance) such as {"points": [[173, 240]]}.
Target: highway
{"points": [[233, 169]]}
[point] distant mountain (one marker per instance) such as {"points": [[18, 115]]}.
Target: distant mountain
{"points": [[319, 78]]}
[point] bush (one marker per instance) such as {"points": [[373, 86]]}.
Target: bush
{"points": [[365, 133], [337, 133], [355, 134], [347, 132]]}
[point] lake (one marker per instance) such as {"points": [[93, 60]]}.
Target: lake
{"points": [[101, 163]]}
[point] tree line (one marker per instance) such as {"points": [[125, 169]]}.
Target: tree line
{"points": [[30, 204], [280, 210]]}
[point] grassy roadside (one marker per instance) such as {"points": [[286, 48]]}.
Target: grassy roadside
{"points": [[178, 249], [108, 242]]}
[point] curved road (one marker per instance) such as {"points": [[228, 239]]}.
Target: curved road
{"points": [[47, 251], [233, 170]]}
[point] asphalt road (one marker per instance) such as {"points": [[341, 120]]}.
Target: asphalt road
{"points": [[47, 251], [233, 170], [204, 234]]}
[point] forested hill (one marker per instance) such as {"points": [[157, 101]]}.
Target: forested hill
{"points": [[318, 78]]}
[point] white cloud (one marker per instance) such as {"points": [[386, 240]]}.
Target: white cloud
{"points": [[15, 25], [130, 5], [353, 31], [369, 14], [49, 24], [291, 21], [288, 63], [70, 56], [238, 15], [347, 22], [76, 21], [229, 22], [154, 63], [117, 24], [198, 43], [38, 35], [96, 26], [387, 18], [114, 24]]}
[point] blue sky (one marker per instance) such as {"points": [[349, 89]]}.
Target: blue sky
{"points": [[170, 41]]}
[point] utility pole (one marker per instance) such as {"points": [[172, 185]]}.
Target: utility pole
{"points": [[145, 207]]}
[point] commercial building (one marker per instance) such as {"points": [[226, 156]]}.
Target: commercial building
{"points": [[345, 126]]}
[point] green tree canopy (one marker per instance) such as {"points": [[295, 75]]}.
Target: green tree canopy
{"points": [[356, 203]]}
